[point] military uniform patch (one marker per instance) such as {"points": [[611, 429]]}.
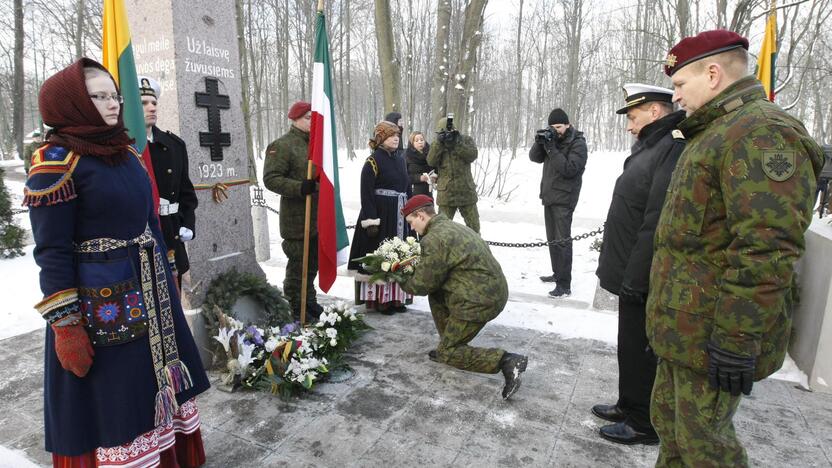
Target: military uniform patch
{"points": [[778, 165]]}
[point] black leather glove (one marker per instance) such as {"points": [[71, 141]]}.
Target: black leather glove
{"points": [[629, 295], [730, 372], [308, 186], [372, 231]]}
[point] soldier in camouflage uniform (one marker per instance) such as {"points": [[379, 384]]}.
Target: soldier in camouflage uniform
{"points": [[285, 172], [466, 289], [452, 155], [722, 279], [30, 148]]}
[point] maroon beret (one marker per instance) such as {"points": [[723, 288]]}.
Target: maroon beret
{"points": [[299, 109], [416, 202], [704, 44]]}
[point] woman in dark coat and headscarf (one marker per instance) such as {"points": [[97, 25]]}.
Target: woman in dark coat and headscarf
{"points": [[121, 367], [417, 165], [385, 188]]}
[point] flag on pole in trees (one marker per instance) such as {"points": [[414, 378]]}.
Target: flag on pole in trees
{"points": [[323, 152], [118, 60], [768, 54]]}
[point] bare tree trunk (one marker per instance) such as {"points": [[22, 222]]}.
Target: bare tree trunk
{"points": [[518, 84], [468, 52], [573, 23], [438, 92], [246, 105], [79, 28], [17, 99], [390, 74], [683, 15]]}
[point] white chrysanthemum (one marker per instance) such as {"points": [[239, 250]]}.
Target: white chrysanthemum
{"points": [[385, 266], [272, 343]]}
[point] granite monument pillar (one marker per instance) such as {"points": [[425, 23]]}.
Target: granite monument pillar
{"points": [[190, 47]]}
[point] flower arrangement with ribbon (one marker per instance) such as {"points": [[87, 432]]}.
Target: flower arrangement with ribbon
{"points": [[393, 260]]}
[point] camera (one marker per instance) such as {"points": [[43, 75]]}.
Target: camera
{"points": [[449, 133], [544, 135]]}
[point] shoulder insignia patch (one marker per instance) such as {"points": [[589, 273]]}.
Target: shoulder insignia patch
{"points": [[778, 165], [372, 162], [677, 134]]}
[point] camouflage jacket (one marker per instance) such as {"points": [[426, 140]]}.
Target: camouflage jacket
{"points": [[284, 170], [455, 185], [458, 270], [730, 232]]}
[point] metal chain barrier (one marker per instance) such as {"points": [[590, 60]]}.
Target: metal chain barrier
{"points": [[17, 212], [527, 245]]}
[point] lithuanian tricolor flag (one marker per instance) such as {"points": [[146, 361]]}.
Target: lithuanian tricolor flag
{"points": [[118, 59], [768, 54]]}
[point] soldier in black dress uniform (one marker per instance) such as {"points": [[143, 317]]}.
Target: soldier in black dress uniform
{"points": [[177, 198]]}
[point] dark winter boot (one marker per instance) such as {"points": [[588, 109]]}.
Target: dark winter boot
{"points": [[560, 291], [433, 356], [548, 279], [313, 310], [512, 366]]}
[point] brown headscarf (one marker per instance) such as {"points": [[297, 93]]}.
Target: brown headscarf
{"points": [[383, 131], [65, 106]]}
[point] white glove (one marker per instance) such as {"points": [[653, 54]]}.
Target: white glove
{"points": [[185, 234]]}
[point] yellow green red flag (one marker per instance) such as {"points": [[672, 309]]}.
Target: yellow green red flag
{"points": [[118, 59], [768, 54]]}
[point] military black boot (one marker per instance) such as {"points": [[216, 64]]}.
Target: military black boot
{"points": [[512, 366], [560, 291]]}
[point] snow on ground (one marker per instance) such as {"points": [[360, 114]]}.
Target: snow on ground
{"points": [[14, 459], [518, 220]]}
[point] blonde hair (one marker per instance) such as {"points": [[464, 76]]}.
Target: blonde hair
{"points": [[412, 138]]}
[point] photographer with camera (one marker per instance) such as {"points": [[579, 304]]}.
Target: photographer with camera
{"points": [[562, 150], [452, 154]]}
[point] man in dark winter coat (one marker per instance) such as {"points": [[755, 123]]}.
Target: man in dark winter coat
{"points": [[177, 198], [466, 289], [284, 172], [624, 263], [562, 150]]}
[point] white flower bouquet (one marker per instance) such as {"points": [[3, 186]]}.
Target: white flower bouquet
{"points": [[287, 359], [393, 261]]}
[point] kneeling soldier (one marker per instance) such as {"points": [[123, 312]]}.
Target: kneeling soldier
{"points": [[466, 289]]}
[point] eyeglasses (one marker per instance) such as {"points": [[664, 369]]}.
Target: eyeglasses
{"points": [[104, 97]]}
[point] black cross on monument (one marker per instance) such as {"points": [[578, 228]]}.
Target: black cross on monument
{"points": [[214, 138]]}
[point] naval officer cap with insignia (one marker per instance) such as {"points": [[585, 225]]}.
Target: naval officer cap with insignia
{"points": [[637, 93], [645, 104]]}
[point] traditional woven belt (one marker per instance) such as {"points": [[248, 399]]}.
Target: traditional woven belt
{"points": [[402, 199], [172, 375]]}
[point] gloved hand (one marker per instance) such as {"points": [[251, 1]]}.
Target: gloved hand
{"points": [[730, 372], [185, 234], [629, 295], [72, 345], [308, 186], [372, 231]]}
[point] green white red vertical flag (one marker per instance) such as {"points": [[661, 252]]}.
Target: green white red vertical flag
{"points": [[323, 152]]}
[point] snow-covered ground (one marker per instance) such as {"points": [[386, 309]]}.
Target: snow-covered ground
{"points": [[518, 220]]}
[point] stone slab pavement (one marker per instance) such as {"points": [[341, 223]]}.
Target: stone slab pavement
{"points": [[400, 409]]}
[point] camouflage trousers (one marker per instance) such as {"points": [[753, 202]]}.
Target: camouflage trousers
{"points": [[469, 214], [694, 422], [454, 336], [293, 248]]}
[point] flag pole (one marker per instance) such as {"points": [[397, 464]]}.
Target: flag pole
{"points": [[306, 229]]}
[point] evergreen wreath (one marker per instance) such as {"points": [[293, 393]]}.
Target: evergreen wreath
{"points": [[226, 288]]}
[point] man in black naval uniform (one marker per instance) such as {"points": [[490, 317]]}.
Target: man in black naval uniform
{"points": [[177, 198], [627, 252]]}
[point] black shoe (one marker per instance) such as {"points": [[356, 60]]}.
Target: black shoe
{"points": [[401, 308], [433, 356], [512, 366], [560, 291], [623, 433], [548, 279], [611, 413]]}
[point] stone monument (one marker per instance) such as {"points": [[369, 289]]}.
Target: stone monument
{"points": [[191, 49]]}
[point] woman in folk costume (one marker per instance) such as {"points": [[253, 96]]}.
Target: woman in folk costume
{"points": [[121, 366], [385, 188]]}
